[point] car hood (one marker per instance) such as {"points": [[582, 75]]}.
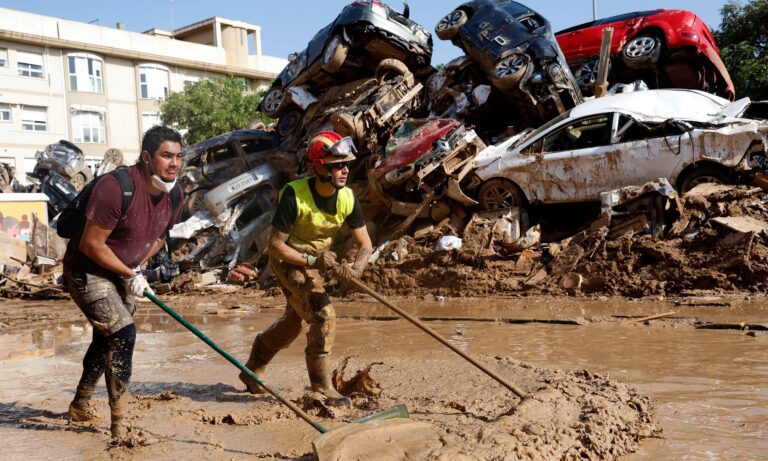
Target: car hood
{"points": [[411, 141]]}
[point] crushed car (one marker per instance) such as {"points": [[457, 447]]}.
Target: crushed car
{"points": [[211, 162], [65, 159], [423, 167], [685, 136], [671, 48], [365, 33], [515, 47]]}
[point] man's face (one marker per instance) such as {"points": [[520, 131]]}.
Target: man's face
{"points": [[339, 172], [166, 160]]}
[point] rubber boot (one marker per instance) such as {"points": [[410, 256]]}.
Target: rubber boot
{"points": [[118, 410], [319, 368], [80, 409], [257, 363]]}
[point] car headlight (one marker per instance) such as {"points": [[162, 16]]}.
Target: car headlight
{"points": [[537, 77]]}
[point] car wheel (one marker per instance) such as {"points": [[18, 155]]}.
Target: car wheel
{"points": [[194, 202], [79, 181], [642, 51], [508, 72], [499, 194], [335, 54], [703, 174], [586, 75], [449, 25], [272, 102], [289, 122], [389, 68]]}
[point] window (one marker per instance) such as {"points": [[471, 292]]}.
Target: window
{"points": [[30, 64], [3, 57], [148, 120], [190, 80], [5, 113], [583, 134], [84, 73], [154, 81], [88, 127], [34, 118]]}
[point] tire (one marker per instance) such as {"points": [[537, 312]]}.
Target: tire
{"points": [[703, 174], [273, 102], [499, 194], [334, 54], [289, 122], [448, 26], [194, 203], [586, 75], [508, 72], [391, 67], [79, 181], [642, 51]]}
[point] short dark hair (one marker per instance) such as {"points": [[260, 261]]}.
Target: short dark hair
{"points": [[157, 135]]}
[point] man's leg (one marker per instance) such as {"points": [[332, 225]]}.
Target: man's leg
{"points": [[94, 363], [118, 375]]}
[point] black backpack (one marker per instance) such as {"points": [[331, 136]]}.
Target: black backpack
{"points": [[72, 217]]}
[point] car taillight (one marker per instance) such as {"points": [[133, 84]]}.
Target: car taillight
{"points": [[690, 36], [377, 6]]}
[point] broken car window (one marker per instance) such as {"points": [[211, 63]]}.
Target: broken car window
{"points": [[583, 134], [632, 130]]}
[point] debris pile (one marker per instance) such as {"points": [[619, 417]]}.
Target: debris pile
{"points": [[713, 238]]}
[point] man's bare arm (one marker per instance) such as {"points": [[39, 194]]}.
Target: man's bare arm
{"points": [[363, 240], [94, 246], [279, 249]]}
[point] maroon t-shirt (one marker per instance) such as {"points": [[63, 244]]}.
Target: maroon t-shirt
{"points": [[146, 220]]}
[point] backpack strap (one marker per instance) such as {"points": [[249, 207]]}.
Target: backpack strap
{"points": [[175, 197], [126, 186]]}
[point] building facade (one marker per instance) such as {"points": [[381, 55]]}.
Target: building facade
{"points": [[101, 87]]}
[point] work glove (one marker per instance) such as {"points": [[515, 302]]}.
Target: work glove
{"points": [[136, 285], [325, 261], [345, 272]]}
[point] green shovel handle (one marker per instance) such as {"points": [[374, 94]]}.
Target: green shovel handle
{"points": [[303, 415]]}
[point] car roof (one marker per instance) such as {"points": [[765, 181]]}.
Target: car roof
{"points": [[658, 105]]}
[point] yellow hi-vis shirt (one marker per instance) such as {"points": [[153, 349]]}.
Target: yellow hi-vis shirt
{"points": [[314, 229]]}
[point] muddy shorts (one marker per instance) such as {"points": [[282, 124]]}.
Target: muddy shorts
{"points": [[103, 300], [307, 301]]}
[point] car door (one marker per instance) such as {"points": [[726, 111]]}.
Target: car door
{"points": [[577, 161], [650, 151]]}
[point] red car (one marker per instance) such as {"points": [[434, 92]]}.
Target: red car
{"points": [[666, 48]]}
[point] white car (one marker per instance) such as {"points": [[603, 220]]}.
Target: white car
{"points": [[686, 136]]}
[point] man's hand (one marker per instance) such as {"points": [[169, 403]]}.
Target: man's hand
{"points": [[346, 272], [136, 285], [325, 261]]}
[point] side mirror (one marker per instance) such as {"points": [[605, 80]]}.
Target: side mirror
{"points": [[406, 9]]}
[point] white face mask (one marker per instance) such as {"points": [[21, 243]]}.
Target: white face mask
{"points": [[160, 183]]}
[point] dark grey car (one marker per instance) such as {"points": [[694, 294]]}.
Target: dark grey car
{"points": [[515, 46], [365, 33]]}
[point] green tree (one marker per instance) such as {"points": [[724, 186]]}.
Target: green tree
{"points": [[743, 43], [211, 107]]}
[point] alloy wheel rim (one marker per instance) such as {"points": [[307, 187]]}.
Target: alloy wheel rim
{"points": [[449, 20], [273, 100], [587, 74], [641, 46], [509, 66]]}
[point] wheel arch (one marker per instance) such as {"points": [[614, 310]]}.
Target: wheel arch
{"points": [[691, 167], [523, 194]]}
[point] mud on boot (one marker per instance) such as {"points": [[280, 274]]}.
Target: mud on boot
{"points": [[80, 409], [117, 427], [257, 363], [319, 368]]}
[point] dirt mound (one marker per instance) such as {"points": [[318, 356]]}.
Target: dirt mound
{"points": [[718, 243]]}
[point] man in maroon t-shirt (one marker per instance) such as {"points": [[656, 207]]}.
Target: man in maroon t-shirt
{"points": [[102, 267]]}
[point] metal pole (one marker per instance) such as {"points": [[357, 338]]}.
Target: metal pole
{"points": [[594, 10]]}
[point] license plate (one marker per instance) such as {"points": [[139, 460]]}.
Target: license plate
{"points": [[242, 184]]}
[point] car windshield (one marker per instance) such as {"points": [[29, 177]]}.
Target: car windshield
{"points": [[542, 129]]}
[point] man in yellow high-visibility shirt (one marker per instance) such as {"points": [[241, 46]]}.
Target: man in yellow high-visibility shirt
{"points": [[310, 212]]}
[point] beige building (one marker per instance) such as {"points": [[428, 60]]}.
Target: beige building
{"points": [[100, 87]]}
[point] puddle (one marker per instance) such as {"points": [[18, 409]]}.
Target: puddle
{"points": [[707, 386]]}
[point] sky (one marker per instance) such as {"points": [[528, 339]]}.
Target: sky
{"points": [[287, 25]]}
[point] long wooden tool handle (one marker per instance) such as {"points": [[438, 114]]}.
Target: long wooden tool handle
{"points": [[437, 336]]}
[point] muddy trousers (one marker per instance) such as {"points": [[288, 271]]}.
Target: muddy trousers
{"points": [[111, 356], [308, 302]]}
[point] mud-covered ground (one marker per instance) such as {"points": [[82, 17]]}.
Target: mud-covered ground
{"points": [[581, 362]]}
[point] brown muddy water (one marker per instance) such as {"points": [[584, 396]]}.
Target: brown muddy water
{"points": [[708, 387]]}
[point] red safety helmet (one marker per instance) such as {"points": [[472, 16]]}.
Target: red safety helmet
{"points": [[330, 147]]}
